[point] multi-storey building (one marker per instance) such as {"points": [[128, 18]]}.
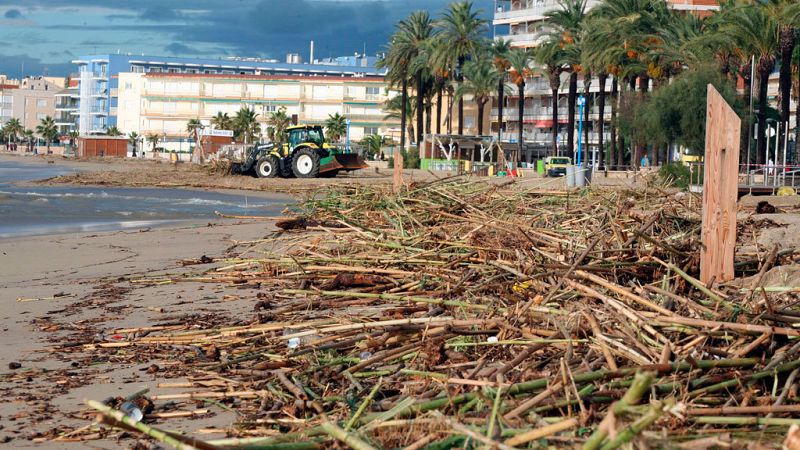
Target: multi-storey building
{"points": [[7, 101], [520, 21], [33, 101], [163, 103], [98, 80], [67, 107]]}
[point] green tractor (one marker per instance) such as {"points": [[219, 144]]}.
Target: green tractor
{"points": [[304, 154]]}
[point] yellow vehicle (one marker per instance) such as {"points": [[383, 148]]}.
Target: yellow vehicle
{"points": [[556, 166]]}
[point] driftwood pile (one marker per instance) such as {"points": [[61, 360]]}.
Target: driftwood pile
{"points": [[461, 314]]}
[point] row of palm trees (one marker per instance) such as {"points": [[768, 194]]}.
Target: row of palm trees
{"points": [[14, 131], [636, 45]]}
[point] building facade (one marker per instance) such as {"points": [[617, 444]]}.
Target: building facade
{"points": [[163, 103], [519, 21], [98, 78], [7, 102], [33, 101]]}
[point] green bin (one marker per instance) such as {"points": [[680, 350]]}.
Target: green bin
{"points": [[540, 167]]}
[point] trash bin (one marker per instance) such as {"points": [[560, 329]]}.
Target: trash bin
{"points": [[580, 176], [570, 176], [540, 167]]}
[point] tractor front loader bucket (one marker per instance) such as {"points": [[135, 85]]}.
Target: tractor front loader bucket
{"points": [[343, 161]]}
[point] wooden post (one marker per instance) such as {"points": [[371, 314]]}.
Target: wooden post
{"points": [[397, 181], [720, 186]]}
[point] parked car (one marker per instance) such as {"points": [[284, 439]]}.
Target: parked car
{"points": [[556, 166]]}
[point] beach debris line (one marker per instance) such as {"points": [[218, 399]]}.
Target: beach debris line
{"points": [[458, 314]]}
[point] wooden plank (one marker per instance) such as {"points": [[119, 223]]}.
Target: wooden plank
{"points": [[720, 188]]}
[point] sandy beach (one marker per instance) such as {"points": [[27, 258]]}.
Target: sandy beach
{"points": [[68, 288]]}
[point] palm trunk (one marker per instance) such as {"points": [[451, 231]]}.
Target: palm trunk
{"points": [[420, 107], [763, 84], [403, 118], [461, 99], [481, 105], [439, 109], [587, 82], [601, 110], [428, 118], [787, 41], [571, 96], [500, 101], [797, 124], [554, 106], [614, 103], [450, 110], [520, 112]]}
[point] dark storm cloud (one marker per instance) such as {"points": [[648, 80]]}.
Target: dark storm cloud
{"points": [[13, 65], [266, 28], [13, 14]]}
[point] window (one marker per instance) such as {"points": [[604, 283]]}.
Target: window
{"points": [[192, 71], [41, 103], [211, 71], [373, 91], [128, 85], [174, 70], [154, 69], [137, 69], [370, 130], [270, 108]]}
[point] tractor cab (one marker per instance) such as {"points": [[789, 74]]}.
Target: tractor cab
{"points": [[306, 134]]}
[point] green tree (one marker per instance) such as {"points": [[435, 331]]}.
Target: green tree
{"points": [[563, 27], [461, 33], [480, 81], [550, 58], [373, 143], [414, 39], [48, 130], [520, 62], [336, 126], [29, 139], [245, 125], [153, 139], [786, 13], [222, 121], [14, 128], [500, 51], [113, 131], [753, 30], [278, 122], [133, 139]]}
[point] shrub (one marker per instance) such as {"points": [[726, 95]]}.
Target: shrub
{"points": [[676, 175]]}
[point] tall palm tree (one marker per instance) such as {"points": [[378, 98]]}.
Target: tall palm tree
{"points": [[550, 58], [133, 139], [113, 131], [48, 130], [414, 40], [193, 127], [245, 124], [222, 121], [153, 139], [336, 126], [520, 61], [278, 122], [752, 28], [786, 13], [397, 60], [461, 31], [480, 82], [500, 49], [13, 128], [564, 25], [28, 135]]}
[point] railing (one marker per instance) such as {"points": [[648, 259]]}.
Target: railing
{"points": [[754, 176]]}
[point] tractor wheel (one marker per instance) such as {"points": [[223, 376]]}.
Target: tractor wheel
{"points": [[305, 163], [267, 167]]}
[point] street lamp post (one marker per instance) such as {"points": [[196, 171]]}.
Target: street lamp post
{"points": [[582, 104]]}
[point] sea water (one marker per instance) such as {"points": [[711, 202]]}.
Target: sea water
{"points": [[27, 209]]}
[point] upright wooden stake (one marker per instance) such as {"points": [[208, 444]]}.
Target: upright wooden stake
{"points": [[720, 186], [398, 171]]}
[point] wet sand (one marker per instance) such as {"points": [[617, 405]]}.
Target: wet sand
{"points": [[72, 286]]}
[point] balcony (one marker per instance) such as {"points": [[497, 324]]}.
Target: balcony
{"points": [[524, 39]]}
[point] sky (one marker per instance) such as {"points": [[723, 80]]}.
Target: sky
{"points": [[43, 36]]}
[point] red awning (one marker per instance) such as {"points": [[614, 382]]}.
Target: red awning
{"points": [[546, 123]]}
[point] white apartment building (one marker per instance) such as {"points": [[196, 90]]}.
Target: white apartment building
{"points": [[162, 103]]}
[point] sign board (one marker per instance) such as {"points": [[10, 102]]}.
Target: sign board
{"points": [[217, 133], [720, 189]]}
